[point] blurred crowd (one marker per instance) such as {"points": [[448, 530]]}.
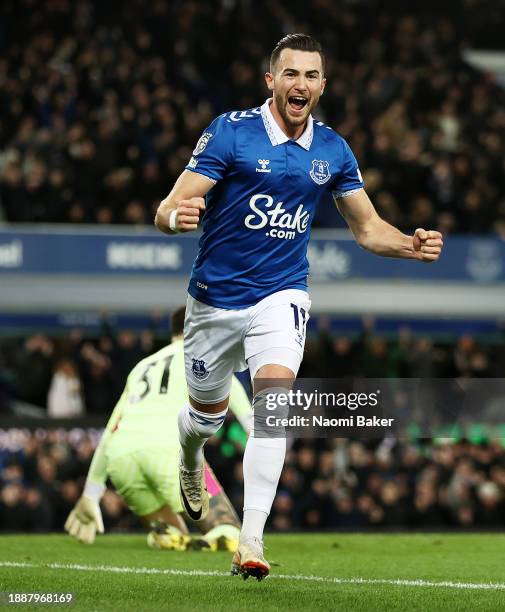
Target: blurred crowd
{"points": [[324, 485], [41, 480], [349, 484], [78, 373], [71, 375], [101, 108]]}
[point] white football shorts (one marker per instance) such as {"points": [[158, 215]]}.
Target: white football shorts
{"points": [[218, 342]]}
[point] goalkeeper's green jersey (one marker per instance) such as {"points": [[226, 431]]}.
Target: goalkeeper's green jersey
{"points": [[146, 414]]}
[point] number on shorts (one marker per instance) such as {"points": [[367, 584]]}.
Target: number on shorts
{"points": [[296, 313]]}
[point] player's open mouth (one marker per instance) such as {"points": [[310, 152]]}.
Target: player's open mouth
{"points": [[297, 103]]}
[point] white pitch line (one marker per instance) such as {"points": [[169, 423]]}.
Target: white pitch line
{"points": [[486, 586]]}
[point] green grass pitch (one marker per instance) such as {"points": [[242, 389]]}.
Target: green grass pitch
{"points": [[310, 572]]}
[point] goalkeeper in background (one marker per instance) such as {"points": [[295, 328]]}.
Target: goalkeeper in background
{"points": [[139, 452]]}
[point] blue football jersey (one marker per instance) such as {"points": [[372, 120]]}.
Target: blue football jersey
{"points": [[256, 226]]}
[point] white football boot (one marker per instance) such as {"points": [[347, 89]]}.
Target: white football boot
{"points": [[249, 560]]}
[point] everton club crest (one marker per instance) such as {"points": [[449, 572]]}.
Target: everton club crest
{"points": [[320, 171], [199, 370]]}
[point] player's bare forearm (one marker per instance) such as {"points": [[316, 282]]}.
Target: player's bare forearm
{"points": [[180, 211], [379, 237]]}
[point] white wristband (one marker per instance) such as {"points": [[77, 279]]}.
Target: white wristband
{"points": [[172, 221]]}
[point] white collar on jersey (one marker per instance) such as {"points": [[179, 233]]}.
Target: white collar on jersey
{"points": [[275, 133]]}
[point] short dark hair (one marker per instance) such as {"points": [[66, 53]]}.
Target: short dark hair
{"points": [[177, 321], [301, 42]]}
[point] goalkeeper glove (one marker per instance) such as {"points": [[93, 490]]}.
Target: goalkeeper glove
{"points": [[85, 519]]}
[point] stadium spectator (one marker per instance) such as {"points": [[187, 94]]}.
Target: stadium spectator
{"points": [[12, 509], [39, 513], [64, 398], [33, 364]]}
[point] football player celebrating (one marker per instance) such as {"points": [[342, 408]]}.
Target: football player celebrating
{"points": [[262, 173]]}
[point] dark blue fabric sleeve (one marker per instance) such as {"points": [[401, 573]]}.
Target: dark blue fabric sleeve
{"points": [[349, 179]]}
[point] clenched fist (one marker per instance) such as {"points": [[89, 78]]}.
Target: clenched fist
{"points": [[188, 214], [427, 244]]}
